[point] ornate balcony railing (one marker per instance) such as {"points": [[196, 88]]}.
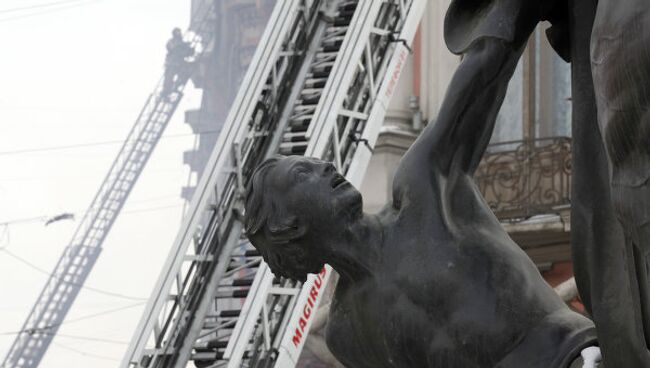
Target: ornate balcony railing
{"points": [[520, 179]]}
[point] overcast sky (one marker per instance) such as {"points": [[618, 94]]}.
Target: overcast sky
{"points": [[77, 72]]}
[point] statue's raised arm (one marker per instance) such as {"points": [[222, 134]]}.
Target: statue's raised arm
{"points": [[455, 142], [491, 35]]}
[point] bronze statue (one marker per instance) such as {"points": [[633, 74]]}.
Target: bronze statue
{"points": [[433, 280], [617, 272]]}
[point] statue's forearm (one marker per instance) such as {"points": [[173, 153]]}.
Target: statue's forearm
{"points": [[474, 97], [456, 141]]}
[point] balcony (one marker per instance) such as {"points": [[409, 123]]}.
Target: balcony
{"points": [[522, 179], [528, 186]]}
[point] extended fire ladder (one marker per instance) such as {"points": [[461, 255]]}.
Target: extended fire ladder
{"points": [[319, 85], [79, 257]]}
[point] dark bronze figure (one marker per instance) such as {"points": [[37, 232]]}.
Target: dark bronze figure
{"points": [[433, 280], [613, 275]]}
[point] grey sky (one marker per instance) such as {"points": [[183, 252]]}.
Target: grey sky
{"points": [[79, 73]]}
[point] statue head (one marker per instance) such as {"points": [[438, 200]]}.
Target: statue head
{"points": [[295, 208]]}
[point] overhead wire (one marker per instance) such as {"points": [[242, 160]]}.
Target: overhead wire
{"points": [[73, 320], [84, 353], [51, 275], [24, 220], [84, 286], [98, 314], [136, 210], [38, 6], [64, 346], [88, 338], [74, 337], [91, 175], [92, 144], [49, 11]]}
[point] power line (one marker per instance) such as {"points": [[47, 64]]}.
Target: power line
{"points": [[37, 6], [88, 338], [92, 144], [98, 314], [84, 353], [137, 210], [43, 271], [73, 320], [49, 11], [24, 220], [40, 331], [90, 175]]}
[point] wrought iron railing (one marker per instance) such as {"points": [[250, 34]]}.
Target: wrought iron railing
{"points": [[520, 179]]}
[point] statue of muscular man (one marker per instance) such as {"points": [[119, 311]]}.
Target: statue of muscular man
{"points": [[432, 280]]}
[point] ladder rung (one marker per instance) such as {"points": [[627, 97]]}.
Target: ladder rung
{"points": [[293, 150], [242, 282], [252, 253], [217, 344], [348, 5], [311, 90], [302, 117], [240, 293], [294, 138], [229, 313]]}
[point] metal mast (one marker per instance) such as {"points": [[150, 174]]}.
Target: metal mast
{"points": [[79, 257], [319, 85]]}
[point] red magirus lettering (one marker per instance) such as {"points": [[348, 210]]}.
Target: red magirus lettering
{"points": [[297, 335]]}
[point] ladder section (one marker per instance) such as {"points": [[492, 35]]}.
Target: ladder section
{"points": [[319, 75], [78, 258], [207, 246], [216, 328]]}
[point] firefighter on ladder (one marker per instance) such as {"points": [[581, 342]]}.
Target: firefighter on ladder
{"points": [[177, 68]]}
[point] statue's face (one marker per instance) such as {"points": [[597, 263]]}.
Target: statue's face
{"points": [[306, 205], [315, 192]]}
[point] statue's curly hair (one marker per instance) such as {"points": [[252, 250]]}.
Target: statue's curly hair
{"points": [[271, 229]]}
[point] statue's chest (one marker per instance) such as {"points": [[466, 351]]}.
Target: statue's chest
{"points": [[376, 327]]}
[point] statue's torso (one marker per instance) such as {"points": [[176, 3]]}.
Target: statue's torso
{"points": [[450, 294]]}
